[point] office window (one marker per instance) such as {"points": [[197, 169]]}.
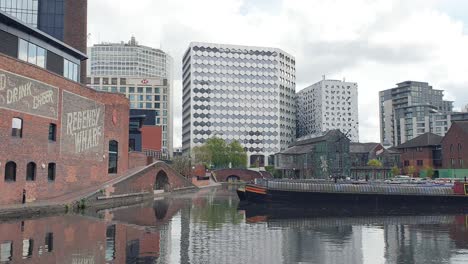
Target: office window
{"points": [[96, 81], [157, 98], [17, 127], [23, 50], [140, 89], [123, 89], [114, 81], [51, 172], [31, 171], [419, 163], [70, 70], [10, 171], [52, 132], [131, 89], [149, 90]]}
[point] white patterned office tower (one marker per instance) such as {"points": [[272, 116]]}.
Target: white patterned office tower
{"points": [[328, 105], [143, 73], [239, 93]]}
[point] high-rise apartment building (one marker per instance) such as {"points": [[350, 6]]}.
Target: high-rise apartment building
{"points": [[328, 105], [65, 20], [142, 73], [412, 109], [239, 93]]}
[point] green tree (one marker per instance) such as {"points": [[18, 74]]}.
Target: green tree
{"points": [[218, 153], [429, 172], [374, 163], [395, 171], [237, 154], [410, 170]]}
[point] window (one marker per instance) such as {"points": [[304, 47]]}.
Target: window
{"points": [[51, 172], [70, 70], [31, 171], [113, 156], [96, 81], [123, 81], [406, 162], [149, 90], [6, 251], [52, 132], [157, 98], [451, 147], [419, 162], [114, 81], [460, 163], [157, 105], [31, 53], [459, 147], [452, 162], [140, 89], [17, 127], [131, 144], [123, 89], [27, 248], [49, 242], [10, 171], [131, 89]]}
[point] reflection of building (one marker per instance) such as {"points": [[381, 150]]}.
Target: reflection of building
{"points": [[239, 93], [416, 244], [64, 20], [410, 110], [73, 239], [319, 157], [327, 105], [56, 136], [144, 75]]}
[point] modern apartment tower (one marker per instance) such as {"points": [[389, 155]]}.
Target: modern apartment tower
{"points": [[239, 93], [412, 109], [143, 73], [65, 20], [328, 105]]}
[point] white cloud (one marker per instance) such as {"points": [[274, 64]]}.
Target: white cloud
{"points": [[375, 43]]}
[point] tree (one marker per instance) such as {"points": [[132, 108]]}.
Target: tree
{"points": [[429, 172], [182, 165], [374, 163], [218, 153], [395, 171], [410, 170]]}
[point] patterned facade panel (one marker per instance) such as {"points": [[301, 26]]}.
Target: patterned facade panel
{"points": [[239, 93]]}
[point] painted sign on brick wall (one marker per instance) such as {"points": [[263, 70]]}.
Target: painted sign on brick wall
{"points": [[25, 95], [82, 127]]}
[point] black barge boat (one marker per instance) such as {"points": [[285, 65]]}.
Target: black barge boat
{"points": [[312, 193]]}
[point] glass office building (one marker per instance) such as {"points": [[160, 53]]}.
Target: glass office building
{"points": [[239, 93], [142, 73], [46, 15]]}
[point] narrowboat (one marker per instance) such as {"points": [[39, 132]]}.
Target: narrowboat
{"points": [[316, 193]]}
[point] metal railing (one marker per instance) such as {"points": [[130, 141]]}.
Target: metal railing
{"points": [[350, 187]]}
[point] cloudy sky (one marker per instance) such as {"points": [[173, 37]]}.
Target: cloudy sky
{"points": [[375, 43]]}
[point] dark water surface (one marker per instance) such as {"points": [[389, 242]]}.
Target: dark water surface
{"points": [[208, 227]]}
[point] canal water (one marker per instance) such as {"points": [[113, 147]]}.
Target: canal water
{"points": [[209, 227]]}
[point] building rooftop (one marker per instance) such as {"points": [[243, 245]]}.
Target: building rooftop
{"points": [[462, 124], [424, 140], [355, 147]]}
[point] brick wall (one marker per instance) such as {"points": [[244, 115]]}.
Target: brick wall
{"points": [[450, 148], [413, 155], [73, 172]]}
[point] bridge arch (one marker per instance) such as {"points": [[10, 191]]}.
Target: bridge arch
{"points": [[162, 181], [232, 178]]}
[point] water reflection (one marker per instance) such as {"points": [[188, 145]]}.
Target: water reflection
{"points": [[207, 227]]}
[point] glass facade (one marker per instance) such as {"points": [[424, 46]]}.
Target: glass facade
{"points": [[129, 59], [238, 93], [24, 10], [46, 15]]}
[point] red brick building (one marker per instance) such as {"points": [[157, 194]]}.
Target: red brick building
{"points": [[56, 135], [421, 152], [455, 146]]}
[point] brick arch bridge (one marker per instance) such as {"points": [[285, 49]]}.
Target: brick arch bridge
{"points": [[142, 180], [225, 175]]}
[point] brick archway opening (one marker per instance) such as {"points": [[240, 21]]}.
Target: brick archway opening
{"points": [[232, 178], [162, 181]]}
